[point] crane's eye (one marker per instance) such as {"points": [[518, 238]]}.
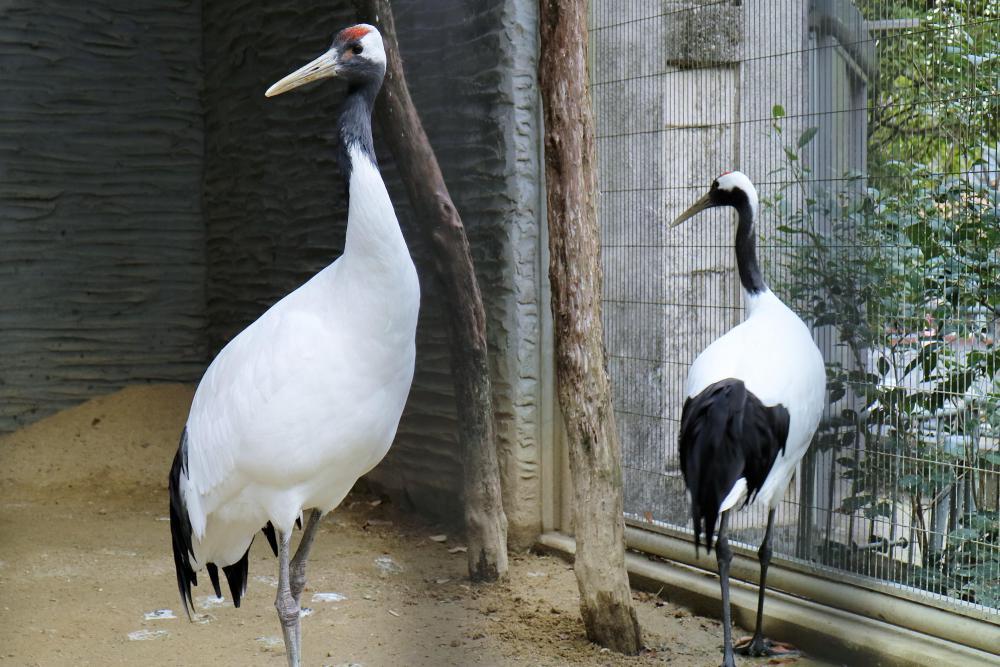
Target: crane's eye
{"points": [[357, 49]]}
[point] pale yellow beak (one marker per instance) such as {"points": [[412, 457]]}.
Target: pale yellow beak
{"points": [[694, 209], [323, 67]]}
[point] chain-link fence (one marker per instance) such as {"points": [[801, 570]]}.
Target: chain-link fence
{"points": [[871, 131]]}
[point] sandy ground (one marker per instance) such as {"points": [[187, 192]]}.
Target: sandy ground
{"points": [[85, 569]]}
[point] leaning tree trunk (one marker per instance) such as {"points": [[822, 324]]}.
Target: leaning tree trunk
{"points": [[485, 521], [582, 379]]}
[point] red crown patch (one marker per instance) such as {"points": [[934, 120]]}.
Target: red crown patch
{"points": [[354, 33]]}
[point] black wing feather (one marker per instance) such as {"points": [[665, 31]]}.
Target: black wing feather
{"points": [[180, 527], [726, 433]]}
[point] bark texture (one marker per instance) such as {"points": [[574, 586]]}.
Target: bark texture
{"points": [[581, 373], [485, 522]]}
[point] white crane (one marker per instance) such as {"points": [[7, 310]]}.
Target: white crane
{"points": [[306, 399], [754, 400]]}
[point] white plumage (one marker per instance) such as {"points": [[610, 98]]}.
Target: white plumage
{"points": [[754, 398], [306, 399], [773, 353]]}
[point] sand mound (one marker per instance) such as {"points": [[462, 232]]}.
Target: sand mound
{"points": [[119, 443]]}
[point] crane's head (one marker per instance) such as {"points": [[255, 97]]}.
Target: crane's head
{"points": [[732, 188], [356, 55]]}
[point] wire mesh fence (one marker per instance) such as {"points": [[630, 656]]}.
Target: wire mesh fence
{"points": [[872, 131]]}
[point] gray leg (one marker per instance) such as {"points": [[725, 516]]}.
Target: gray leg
{"points": [[287, 606], [297, 568], [724, 555], [759, 646]]}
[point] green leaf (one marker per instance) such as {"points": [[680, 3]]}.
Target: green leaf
{"points": [[964, 534], [854, 503], [807, 136], [881, 508], [991, 457], [847, 462], [777, 111]]}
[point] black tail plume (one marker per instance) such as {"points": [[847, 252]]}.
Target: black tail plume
{"points": [[213, 574], [180, 528], [236, 575], [272, 539], [726, 433]]}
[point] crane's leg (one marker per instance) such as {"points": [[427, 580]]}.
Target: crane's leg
{"points": [[287, 606], [724, 555], [297, 568], [757, 645]]}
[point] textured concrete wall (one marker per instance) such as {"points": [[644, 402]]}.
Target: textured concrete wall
{"points": [[101, 244], [275, 210]]}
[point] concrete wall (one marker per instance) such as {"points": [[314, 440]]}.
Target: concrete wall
{"points": [[275, 211], [101, 238]]}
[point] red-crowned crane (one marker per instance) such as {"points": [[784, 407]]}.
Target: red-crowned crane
{"points": [[754, 400], [307, 399]]}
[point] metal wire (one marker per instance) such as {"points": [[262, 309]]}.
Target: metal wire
{"points": [[871, 131]]}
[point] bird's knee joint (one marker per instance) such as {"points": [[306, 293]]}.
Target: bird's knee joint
{"points": [[764, 552], [723, 552], [288, 610]]}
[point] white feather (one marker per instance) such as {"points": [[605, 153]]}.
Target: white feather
{"points": [[737, 180], [308, 398], [773, 353], [372, 43]]}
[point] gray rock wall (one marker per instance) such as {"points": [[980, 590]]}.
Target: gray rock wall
{"points": [[101, 238]]}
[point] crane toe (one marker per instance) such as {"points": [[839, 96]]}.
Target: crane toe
{"points": [[760, 647]]}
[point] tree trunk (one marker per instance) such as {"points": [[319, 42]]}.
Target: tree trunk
{"points": [[582, 379], [485, 521]]}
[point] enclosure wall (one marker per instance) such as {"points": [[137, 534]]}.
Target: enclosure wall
{"points": [[275, 205], [101, 237]]}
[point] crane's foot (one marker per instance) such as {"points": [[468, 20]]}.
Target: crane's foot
{"points": [[758, 647], [728, 660]]}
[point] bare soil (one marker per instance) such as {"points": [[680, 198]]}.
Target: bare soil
{"points": [[85, 567]]}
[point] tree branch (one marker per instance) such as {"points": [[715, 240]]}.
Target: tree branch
{"points": [[485, 521]]}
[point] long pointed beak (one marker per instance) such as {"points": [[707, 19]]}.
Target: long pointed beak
{"points": [[323, 67], [694, 209]]}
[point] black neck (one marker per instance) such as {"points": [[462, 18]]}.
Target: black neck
{"points": [[355, 125], [746, 250]]}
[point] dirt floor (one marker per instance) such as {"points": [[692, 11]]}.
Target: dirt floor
{"points": [[87, 577]]}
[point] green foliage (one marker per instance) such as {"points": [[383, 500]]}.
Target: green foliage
{"points": [[934, 100], [903, 264]]}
